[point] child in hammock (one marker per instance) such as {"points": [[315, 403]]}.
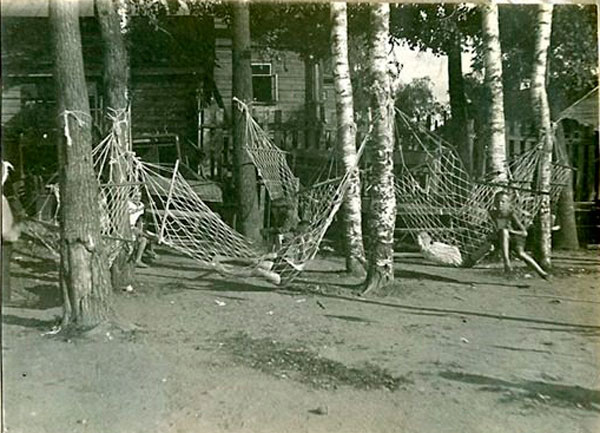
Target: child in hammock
{"points": [[510, 233], [273, 267]]}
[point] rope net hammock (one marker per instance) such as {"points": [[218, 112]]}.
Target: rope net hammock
{"points": [[183, 222], [441, 207]]}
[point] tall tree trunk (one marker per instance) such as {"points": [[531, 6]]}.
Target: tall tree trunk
{"points": [[346, 138], [311, 120], [116, 80], [543, 125], [250, 221], [458, 104], [116, 60], [85, 276], [382, 217], [566, 237], [493, 76]]}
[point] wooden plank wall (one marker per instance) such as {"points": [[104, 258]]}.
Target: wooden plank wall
{"points": [[289, 68], [582, 148], [165, 104], [11, 103]]}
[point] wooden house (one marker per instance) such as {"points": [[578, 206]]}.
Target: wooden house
{"points": [[180, 93]]}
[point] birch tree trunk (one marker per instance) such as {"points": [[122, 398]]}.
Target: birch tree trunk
{"points": [[346, 139], [245, 174], [382, 212], [492, 61], [543, 125], [84, 273], [116, 83]]}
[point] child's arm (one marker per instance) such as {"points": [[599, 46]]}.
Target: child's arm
{"points": [[519, 228]]}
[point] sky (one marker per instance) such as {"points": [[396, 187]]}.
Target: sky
{"points": [[418, 64]]}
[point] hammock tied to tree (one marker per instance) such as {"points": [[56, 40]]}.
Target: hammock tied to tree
{"points": [[441, 206], [182, 221]]}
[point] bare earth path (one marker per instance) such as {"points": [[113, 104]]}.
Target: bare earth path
{"points": [[447, 350]]}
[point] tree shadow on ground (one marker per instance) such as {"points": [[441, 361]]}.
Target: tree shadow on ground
{"points": [[217, 285], [568, 330], [549, 393], [341, 272], [47, 296], [460, 313], [38, 267], [37, 277], [420, 261], [28, 322], [349, 318], [416, 275], [303, 365], [38, 297], [333, 286], [177, 267]]}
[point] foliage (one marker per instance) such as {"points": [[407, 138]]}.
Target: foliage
{"points": [[573, 52], [574, 56], [300, 27], [416, 99], [170, 41], [435, 27], [154, 9]]}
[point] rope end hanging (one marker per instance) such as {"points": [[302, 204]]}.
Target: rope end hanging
{"points": [[79, 117]]}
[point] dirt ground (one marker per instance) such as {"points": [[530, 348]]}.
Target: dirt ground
{"points": [[444, 350]]}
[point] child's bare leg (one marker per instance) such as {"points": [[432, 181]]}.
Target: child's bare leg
{"points": [[267, 274], [248, 268], [505, 244], [532, 263], [141, 246]]}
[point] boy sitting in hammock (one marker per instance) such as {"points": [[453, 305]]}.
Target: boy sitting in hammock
{"points": [[274, 267], [510, 233]]}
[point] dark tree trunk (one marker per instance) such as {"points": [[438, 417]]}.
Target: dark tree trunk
{"points": [[116, 79], [85, 276], [458, 105], [250, 215], [566, 237], [116, 60], [311, 120]]}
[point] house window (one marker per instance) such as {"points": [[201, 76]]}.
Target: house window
{"points": [[264, 83]]}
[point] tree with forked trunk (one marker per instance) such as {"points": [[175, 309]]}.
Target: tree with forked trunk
{"points": [[382, 212], [346, 138], [84, 275]]}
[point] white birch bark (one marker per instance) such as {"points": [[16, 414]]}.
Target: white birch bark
{"points": [[346, 138], [382, 212], [493, 78], [543, 125]]}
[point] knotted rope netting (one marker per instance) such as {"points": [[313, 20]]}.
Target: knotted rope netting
{"points": [[182, 221], [439, 198]]}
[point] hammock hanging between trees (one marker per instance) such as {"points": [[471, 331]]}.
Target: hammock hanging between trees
{"points": [[185, 223], [439, 199]]}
